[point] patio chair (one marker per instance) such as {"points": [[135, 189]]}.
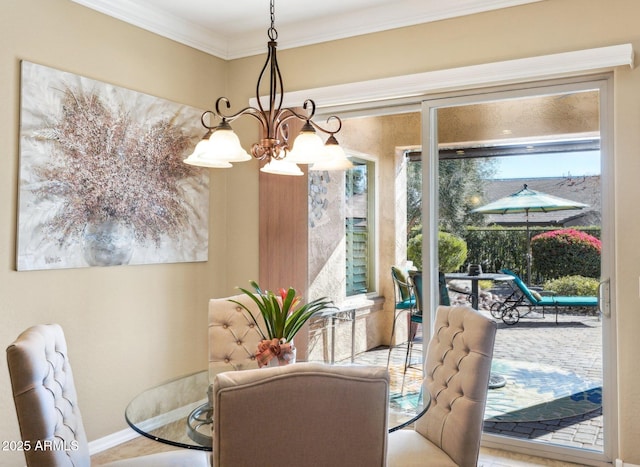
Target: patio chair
{"points": [[415, 317], [524, 296], [404, 300]]}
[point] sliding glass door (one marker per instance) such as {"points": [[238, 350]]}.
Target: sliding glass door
{"points": [[558, 369]]}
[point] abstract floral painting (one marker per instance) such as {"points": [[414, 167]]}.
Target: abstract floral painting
{"points": [[102, 181]]}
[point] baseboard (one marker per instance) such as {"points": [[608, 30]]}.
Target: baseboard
{"points": [[620, 463], [112, 440]]}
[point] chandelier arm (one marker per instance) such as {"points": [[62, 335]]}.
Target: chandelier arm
{"points": [[257, 113], [325, 130], [337, 130], [276, 87], [205, 113], [288, 113], [260, 76]]}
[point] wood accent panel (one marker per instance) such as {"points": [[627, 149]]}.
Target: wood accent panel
{"points": [[284, 225], [283, 231]]}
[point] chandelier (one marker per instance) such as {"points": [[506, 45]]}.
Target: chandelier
{"points": [[220, 145]]}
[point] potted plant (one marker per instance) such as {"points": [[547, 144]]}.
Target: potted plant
{"points": [[284, 315]]}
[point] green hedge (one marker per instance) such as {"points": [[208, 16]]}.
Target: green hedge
{"points": [[499, 247], [495, 248], [573, 286], [452, 251]]}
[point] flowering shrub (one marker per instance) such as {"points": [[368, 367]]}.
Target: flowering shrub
{"points": [[566, 252]]}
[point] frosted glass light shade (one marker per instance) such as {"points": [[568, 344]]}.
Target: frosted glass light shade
{"points": [[202, 157], [308, 148], [335, 159], [224, 143], [281, 167]]}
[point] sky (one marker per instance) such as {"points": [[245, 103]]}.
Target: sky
{"points": [[548, 165]]}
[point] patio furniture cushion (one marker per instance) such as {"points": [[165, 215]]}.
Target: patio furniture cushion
{"points": [[555, 301], [401, 279], [568, 301], [550, 300]]}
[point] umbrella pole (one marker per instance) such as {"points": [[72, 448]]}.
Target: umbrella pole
{"points": [[528, 250]]}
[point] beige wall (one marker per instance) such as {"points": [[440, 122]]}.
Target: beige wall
{"points": [[536, 29], [129, 327]]}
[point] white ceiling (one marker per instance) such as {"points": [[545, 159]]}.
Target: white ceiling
{"points": [[238, 28]]}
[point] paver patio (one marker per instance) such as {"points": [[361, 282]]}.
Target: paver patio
{"points": [[573, 345]]}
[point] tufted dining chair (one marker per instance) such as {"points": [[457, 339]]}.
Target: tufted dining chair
{"points": [[47, 406], [304, 415], [233, 335], [457, 368]]}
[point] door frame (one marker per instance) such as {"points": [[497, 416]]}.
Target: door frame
{"points": [[604, 84]]}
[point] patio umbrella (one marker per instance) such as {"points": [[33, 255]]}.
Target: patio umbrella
{"points": [[526, 201]]}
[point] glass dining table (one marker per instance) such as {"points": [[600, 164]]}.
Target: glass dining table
{"points": [[178, 412]]}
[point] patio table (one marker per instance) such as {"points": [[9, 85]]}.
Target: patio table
{"points": [[485, 276]]}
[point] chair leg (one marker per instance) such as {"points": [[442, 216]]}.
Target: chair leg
{"points": [[396, 313], [412, 335], [413, 330]]}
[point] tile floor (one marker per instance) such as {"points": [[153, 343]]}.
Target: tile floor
{"points": [[488, 457]]}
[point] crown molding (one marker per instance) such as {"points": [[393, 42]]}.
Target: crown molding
{"points": [[163, 24], [390, 15]]}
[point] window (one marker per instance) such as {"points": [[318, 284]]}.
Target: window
{"points": [[359, 227]]}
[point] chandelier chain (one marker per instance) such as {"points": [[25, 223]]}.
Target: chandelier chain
{"points": [[272, 33]]}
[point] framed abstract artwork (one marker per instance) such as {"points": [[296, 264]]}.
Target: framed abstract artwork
{"points": [[102, 181]]}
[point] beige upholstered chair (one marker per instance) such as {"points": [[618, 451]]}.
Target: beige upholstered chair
{"points": [[307, 415], [233, 335], [47, 407], [457, 370]]}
